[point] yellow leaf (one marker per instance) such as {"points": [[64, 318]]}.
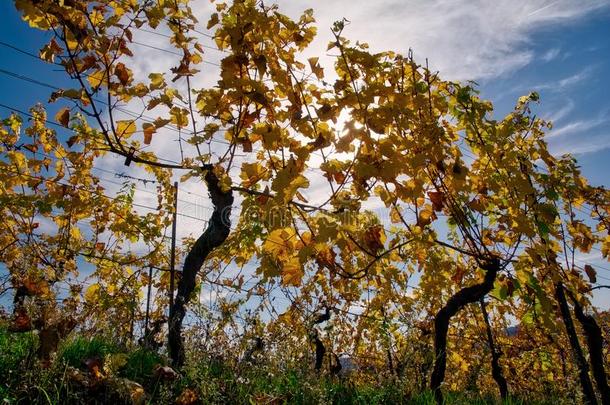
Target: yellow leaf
{"points": [[75, 233], [251, 173], [92, 293], [289, 180], [33, 15], [126, 128], [96, 17], [426, 216], [395, 215], [17, 158], [179, 116], [14, 122], [292, 272], [96, 79], [316, 68], [71, 40], [156, 81], [279, 243], [196, 58]]}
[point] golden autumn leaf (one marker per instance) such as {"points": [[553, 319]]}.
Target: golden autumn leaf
{"points": [[292, 272], [96, 79], [179, 116], [92, 293], [157, 81], [125, 128], [251, 173], [288, 181], [426, 216], [279, 242], [315, 67]]}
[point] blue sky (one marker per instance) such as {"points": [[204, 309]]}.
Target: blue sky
{"points": [[570, 73], [17, 93], [559, 48]]}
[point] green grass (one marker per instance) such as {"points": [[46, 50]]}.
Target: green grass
{"points": [[141, 365], [77, 349], [15, 349], [24, 380]]}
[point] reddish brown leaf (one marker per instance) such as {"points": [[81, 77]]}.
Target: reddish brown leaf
{"points": [[63, 117], [247, 146], [591, 273], [458, 275], [95, 366], [121, 71], [166, 373], [31, 147], [262, 199], [187, 397], [21, 321], [149, 130], [72, 140], [373, 238], [510, 286], [438, 199]]}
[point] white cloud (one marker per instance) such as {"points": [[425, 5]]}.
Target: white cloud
{"points": [[555, 113], [550, 54], [464, 39], [576, 127], [580, 146], [563, 111], [568, 81]]}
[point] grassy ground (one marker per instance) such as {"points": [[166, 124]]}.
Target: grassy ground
{"points": [[94, 370]]}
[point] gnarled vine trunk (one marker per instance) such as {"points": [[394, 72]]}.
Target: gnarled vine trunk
{"points": [[215, 234], [593, 334], [320, 351], [314, 336], [458, 301], [579, 357], [496, 369]]}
